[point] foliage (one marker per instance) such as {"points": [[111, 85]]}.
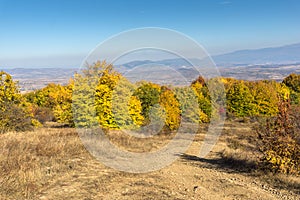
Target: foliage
{"points": [[204, 99], [9, 91], [148, 93], [103, 97], [53, 102], [63, 108], [135, 111], [279, 140], [126, 109], [265, 98], [240, 100], [14, 115], [189, 107], [293, 82], [83, 102], [42, 114], [171, 107], [107, 80]]}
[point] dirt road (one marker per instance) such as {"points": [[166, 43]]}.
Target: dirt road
{"points": [[187, 178]]}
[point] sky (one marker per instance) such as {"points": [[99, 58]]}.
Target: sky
{"points": [[57, 33]]}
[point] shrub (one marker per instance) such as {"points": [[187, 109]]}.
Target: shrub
{"points": [[42, 114], [293, 83], [14, 118], [279, 140], [14, 115]]}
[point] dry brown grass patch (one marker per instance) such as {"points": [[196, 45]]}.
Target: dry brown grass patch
{"points": [[28, 160]]}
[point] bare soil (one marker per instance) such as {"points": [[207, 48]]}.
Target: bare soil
{"points": [[51, 163]]}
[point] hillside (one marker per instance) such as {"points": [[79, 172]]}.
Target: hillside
{"points": [[275, 55]]}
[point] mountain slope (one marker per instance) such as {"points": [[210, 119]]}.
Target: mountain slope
{"points": [[278, 55]]}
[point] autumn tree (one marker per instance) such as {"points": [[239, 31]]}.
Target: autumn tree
{"points": [[53, 102], [265, 98], [171, 106], [240, 101], [149, 94], [14, 115], [204, 100], [102, 96], [293, 82], [188, 102], [279, 140]]}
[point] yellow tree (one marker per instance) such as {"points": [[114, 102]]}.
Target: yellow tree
{"points": [[204, 102], [239, 100], [103, 91], [265, 97], [14, 115], [171, 107], [53, 100]]}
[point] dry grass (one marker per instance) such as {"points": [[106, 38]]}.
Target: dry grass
{"points": [[47, 159], [242, 155], [29, 160], [129, 142]]}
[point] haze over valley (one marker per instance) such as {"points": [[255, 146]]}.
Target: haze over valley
{"points": [[259, 64]]}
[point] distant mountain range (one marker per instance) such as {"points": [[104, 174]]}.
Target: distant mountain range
{"points": [[288, 54], [276, 55], [268, 63]]}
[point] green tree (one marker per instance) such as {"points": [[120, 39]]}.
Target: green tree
{"points": [[148, 93], [188, 102], [293, 82], [240, 100]]}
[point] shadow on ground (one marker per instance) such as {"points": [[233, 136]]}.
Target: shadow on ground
{"points": [[231, 165], [227, 164]]}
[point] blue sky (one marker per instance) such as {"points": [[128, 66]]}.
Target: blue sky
{"points": [[63, 32]]}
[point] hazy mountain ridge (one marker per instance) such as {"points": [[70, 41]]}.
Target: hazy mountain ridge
{"points": [[275, 55], [288, 54], [268, 63]]}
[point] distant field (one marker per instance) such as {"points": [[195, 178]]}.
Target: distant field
{"points": [[32, 79]]}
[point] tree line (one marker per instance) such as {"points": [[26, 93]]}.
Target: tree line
{"points": [[100, 96], [121, 104]]}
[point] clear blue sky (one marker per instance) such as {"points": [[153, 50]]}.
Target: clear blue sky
{"points": [[34, 30]]}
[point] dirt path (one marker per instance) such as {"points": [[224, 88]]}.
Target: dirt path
{"points": [[187, 178]]}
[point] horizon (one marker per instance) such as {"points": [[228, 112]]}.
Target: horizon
{"points": [[80, 60], [61, 34]]}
